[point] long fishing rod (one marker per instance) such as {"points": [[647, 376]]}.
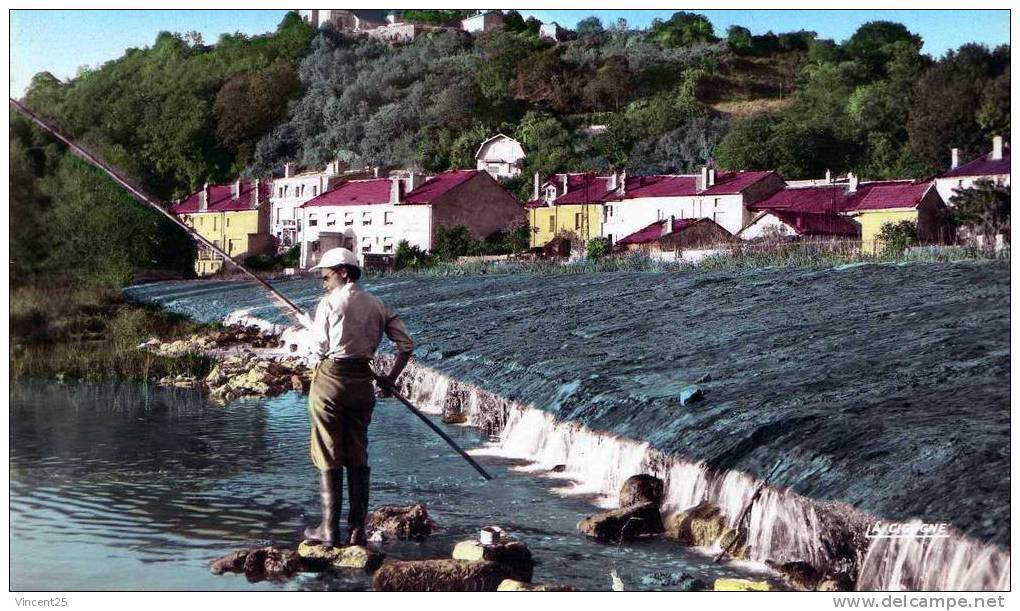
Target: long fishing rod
{"points": [[276, 296]]}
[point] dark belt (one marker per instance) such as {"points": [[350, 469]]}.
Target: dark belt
{"points": [[352, 366]]}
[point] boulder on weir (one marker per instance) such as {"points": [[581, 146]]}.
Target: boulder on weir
{"points": [[446, 575], [401, 522], [624, 524], [641, 488], [800, 575], [512, 554], [321, 557], [512, 585], [704, 525], [259, 564]]}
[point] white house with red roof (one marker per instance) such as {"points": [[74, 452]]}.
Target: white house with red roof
{"points": [[371, 217], [296, 187], [677, 239], [723, 197], [992, 166]]}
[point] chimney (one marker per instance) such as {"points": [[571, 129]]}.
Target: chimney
{"points": [[996, 148], [235, 191], [256, 197], [667, 226], [203, 198], [395, 189], [955, 163], [611, 183], [415, 180], [566, 179], [375, 172], [703, 184], [828, 177], [288, 170], [623, 182], [537, 184], [711, 177], [852, 182]]}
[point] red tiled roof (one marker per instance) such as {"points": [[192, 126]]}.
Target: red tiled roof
{"points": [[818, 199], [731, 183], [727, 183], [437, 186], [535, 203], [653, 232], [354, 193], [885, 196], [584, 189], [221, 198], [982, 166], [808, 223]]}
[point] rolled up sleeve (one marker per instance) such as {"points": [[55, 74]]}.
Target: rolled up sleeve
{"points": [[397, 332], [320, 329]]}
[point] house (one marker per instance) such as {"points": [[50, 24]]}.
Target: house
{"points": [[992, 166], [552, 32], [895, 201], [724, 197], [233, 216], [295, 188], [501, 156], [373, 216], [350, 20], [676, 238], [482, 22], [808, 209], [568, 204]]}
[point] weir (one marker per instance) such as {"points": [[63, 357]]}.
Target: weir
{"points": [[783, 526]]}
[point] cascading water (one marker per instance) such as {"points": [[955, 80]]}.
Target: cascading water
{"points": [[782, 526]]}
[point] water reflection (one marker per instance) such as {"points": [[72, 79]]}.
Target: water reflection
{"points": [[127, 487]]}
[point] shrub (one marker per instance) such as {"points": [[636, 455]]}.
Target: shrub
{"points": [[895, 238], [596, 248]]}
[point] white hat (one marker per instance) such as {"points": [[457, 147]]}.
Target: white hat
{"points": [[337, 256]]}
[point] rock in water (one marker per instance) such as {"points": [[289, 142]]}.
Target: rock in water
{"points": [[724, 584], [623, 524], [701, 526], [512, 554], [259, 564], [836, 582], [801, 575], [440, 576], [680, 582], [347, 557], [690, 394], [511, 585], [410, 522], [641, 489]]}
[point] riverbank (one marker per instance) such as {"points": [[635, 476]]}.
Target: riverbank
{"points": [[92, 333]]}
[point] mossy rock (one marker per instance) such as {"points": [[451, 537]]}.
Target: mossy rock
{"points": [[727, 584], [321, 557]]}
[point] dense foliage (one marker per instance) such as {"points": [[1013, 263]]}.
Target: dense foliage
{"points": [[181, 112], [982, 211]]}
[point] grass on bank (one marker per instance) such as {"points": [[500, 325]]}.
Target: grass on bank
{"points": [[92, 333], [798, 254]]}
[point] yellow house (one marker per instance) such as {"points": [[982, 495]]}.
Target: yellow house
{"points": [[234, 217], [893, 202], [567, 204]]}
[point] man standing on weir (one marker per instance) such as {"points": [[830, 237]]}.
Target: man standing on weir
{"points": [[348, 326]]}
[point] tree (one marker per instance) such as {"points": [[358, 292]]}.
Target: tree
{"points": [[596, 248], [454, 242], [894, 238], [682, 30], [249, 104], [611, 86], [739, 39], [544, 78], [589, 26], [876, 42], [982, 210], [412, 257]]}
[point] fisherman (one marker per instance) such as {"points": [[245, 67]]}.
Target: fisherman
{"points": [[348, 326]]}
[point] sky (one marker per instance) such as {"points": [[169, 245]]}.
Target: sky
{"points": [[62, 41]]}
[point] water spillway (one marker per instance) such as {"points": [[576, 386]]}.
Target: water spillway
{"points": [[883, 389]]}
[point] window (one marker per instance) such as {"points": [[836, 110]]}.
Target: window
{"points": [[552, 223], [330, 220], [286, 189], [658, 215], [387, 244], [279, 192], [227, 222], [366, 244], [214, 223], [276, 213], [578, 220], [387, 218], [366, 218], [715, 202], [609, 211], [315, 246], [348, 218], [313, 220], [315, 190]]}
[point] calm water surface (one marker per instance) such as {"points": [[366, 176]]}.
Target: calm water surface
{"points": [[127, 487]]}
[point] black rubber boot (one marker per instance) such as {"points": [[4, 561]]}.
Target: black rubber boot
{"points": [[331, 495], [357, 489]]}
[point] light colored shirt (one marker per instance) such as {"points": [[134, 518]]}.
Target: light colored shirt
{"points": [[349, 323]]}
